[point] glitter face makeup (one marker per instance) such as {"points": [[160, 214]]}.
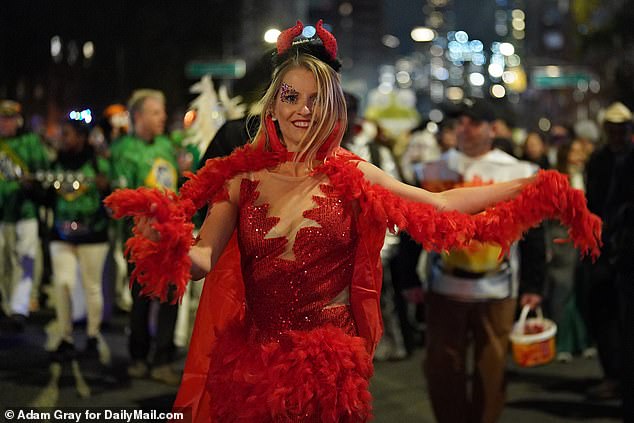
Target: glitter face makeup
{"points": [[288, 94]]}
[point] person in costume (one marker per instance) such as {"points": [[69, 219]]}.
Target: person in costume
{"points": [[147, 158], [22, 154], [290, 315], [472, 294], [77, 184]]}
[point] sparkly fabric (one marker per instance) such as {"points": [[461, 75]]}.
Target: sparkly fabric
{"points": [[293, 269], [297, 241]]}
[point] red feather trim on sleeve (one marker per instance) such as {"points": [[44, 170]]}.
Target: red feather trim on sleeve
{"points": [[548, 196], [208, 184], [163, 268]]}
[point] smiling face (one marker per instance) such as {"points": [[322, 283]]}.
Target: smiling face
{"points": [[307, 102], [295, 106]]}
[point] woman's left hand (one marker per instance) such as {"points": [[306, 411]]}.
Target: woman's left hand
{"points": [[144, 226]]}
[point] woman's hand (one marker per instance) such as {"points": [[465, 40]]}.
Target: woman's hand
{"points": [[144, 226]]}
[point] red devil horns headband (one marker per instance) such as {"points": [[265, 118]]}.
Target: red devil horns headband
{"points": [[327, 38], [285, 39]]}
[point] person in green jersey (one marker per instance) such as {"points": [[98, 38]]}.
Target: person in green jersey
{"points": [[22, 155], [74, 190], [147, 158]]}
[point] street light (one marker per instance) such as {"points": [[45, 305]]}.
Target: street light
{"points": [[390, 41], [270, 36], [422, 34], [476, 79], [56, 48], [455, 93], [507, 49], [498, 91], [496, 70], [88, 49]]}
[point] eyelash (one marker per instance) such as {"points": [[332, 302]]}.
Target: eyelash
{"points": [[292, 99]]}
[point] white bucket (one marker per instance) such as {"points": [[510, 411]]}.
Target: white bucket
{"points": [[533, 349]]}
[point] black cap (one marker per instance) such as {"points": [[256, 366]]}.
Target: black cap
{"points": [[477, 109]]}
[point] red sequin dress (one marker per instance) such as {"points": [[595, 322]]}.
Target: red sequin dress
{"points": [[275, 339], [297, 355]]}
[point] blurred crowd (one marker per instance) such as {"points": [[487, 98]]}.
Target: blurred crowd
{"points": [[60, 250]]}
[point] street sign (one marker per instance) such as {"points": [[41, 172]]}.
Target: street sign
{"points": [[231, 69], [562, 81], [554, 77]]}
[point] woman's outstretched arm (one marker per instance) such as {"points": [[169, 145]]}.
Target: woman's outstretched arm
{"points": [[466, 200]]}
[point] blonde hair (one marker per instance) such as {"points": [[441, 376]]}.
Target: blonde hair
{"points": [[138, 97], [330, 98]]}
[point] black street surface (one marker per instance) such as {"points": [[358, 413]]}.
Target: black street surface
{"points": [[549, 394]]}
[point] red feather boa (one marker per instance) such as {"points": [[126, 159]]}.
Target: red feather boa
{"points": [[163, 268], [166, 262], [548, 196]]}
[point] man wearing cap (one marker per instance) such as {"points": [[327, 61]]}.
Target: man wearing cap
{"points": [[471, 294], [21, 155], [600, 302]]}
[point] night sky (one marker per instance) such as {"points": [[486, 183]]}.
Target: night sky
{"points": [[147, 44], [137, 43]]}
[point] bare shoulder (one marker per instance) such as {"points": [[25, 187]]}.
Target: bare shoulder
{"points": [[372, 173]]}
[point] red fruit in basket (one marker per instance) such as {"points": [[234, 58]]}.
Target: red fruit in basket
{"points": [[533, 328]]}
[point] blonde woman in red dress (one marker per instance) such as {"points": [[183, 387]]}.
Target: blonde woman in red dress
{"points": [[290, 314]]}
